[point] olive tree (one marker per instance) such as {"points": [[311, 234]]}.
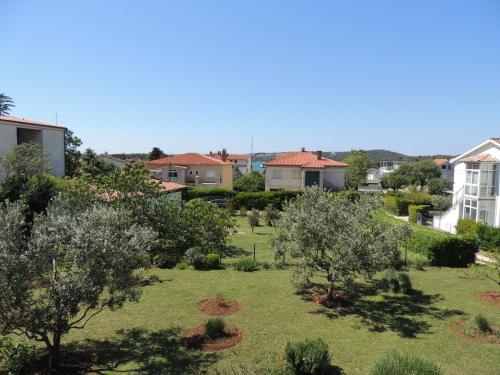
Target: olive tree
{"points": [[65, 269], [337, 238]]}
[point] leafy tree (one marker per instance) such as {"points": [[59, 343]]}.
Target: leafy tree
{"points": [[337, 238], [80, 262], [155, 153], [393, 181], [236, 174], [24, 161], [6, 104], [251, 182], [253, 218], [437, 185], [71, 153], [357, 170], [93, 167], [426, 170]]}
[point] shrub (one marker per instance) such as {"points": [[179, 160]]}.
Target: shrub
{"points": [[413, 210], [423, 239], [418, 261], [252, 182], [398, 203], [437, 185], [212, 261], [246, 265], [394, 363], [14, 357], [404, 282], [454, 251], [271, 214], [182, 266], [478, 323], [243, 211], [195, 257], [489, 237], [253, 218], [194, 192], [441, 202], [165, 259], [467, 227], [309, 357], [214, 328], [260, 200], [396, 281]]}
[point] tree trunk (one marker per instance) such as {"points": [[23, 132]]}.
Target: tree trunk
{"points": [[54, 352]]}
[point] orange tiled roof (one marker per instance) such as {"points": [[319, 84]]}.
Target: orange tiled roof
{"points": [[483, 158], [440, 161], [230, 156], [171, 186], [191, 158], [305, 160], [20, 120]]}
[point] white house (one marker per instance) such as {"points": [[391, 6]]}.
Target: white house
{"points": [[242, 162], [297, 170], [15, 130], [476, 183], [446, 168]]}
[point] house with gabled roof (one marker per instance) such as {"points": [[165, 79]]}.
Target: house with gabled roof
{"points": [[193, 169], [297, 170], [242, 162], [50, 138], [476, 187]]}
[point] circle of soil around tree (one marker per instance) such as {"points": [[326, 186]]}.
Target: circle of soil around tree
{"points": [[195, 339], [216, 306], [339, 299], [491, 297], [459, 326]]}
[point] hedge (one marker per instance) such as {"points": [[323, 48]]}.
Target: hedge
{"points": [[413, 210], [454, 251], [260, 200], [488, 236], [398, 203], [194, 192]]}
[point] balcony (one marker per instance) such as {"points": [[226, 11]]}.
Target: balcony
{"points": [[197, 180]]}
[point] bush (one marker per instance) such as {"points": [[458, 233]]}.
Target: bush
{"points": [[260, 200], [15, 357], [271, 214], [394, 363], [437, 185], [182, 266], [441, 202], [454, 251], [212, 261], [467, 227], [195, 256], [194, 192], [398, 203], [478, 324], [396, 281], [214, 328], [246, 265], [489, 237], [309, 357], [413, 210], [165, 259], [253, 218], [252, 182], [423, 239], [418, 261], [243, 212]]}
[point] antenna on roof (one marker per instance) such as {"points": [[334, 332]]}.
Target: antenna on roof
{"points": [[251, 148]]}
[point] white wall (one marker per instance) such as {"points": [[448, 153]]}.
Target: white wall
{"points": [[8, 138], [290, 178]]}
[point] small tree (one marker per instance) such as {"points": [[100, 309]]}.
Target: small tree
{"points": [[337, 237], [6, 104], [437, 185], [253, 218], [357, 170], [252, 182], [71, 153], [92, 167], [393, 181], [67, 269], [24, 161], [156, 153]]}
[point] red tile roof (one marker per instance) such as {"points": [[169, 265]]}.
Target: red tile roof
{"points": [[305, 160], [440, 161], [171, 186], [230, 156], [185, 160], [483, 158], [20, 120]]}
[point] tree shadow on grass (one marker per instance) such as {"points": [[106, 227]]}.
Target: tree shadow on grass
{"points": [[401, 313], [234, 252], [143, 352]]}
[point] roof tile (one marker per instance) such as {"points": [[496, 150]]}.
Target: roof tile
{"points": [[305, 160]]}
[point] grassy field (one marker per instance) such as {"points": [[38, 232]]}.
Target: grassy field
{"points": [[142, 337]]}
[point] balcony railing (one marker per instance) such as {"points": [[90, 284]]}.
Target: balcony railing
{"points": [[197, 180]]}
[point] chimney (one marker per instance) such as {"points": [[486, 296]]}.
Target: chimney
{"points": [[303, 149], [224, 155], [320, 154]]}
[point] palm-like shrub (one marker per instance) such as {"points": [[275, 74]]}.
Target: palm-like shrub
{"points": [[394, 363], [246, 265], [309, 357], [478, 323], [214, 328]]}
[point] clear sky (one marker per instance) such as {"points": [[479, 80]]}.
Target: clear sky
{"points": [[416, 77]]}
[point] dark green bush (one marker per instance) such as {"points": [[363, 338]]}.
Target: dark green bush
{"points": [[182, 266], [394, 363], [15, 357], [214, 328], [454, 251], [212, 261], [441, 202], [396, 281], [194, 192], [404, 282], [398, 203], [489, 237], [260, 200], [413, 210], [253, 218], [467, 227], [309, 357], [271, 214], [165, 259], [195, 256], [246, 265]]}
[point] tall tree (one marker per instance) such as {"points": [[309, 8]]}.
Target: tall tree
{"points": [[81, 263], [6, 104], [156, 153], [337, 237], [71, 153], [93, 167], [357, 170], [254, 182]]}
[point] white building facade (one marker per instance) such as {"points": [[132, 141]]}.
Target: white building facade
{"points": [[14, 131], [476, 182]]}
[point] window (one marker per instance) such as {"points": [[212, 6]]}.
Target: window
{"points": [[172, 173], [470, 209], [487, 180], [487, 211], [472, 180], [444, 166]]}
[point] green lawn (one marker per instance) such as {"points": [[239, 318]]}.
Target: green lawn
{"points": [[142, 337]]}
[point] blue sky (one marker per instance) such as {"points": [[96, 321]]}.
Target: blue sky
{"points": [[416, 77]]}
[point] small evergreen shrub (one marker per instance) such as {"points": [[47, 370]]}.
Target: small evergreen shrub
{"points": [[195, 257], [454, 251], [396, 281], [182, 266], [489, 237], [309, 357], [165, 260], [253, 218], [394, 363], [246, 265], [271, 214], [266, 266], [15, 357], [478, 323], [214, 328], [212, 261]]}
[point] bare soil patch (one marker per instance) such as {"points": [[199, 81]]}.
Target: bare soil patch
{"points": [[491, 297], [340, 299], [195, 339], [217, 306], [459, 327]]}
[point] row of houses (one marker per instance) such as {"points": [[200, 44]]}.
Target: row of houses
{"points": [[475, 173]]}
